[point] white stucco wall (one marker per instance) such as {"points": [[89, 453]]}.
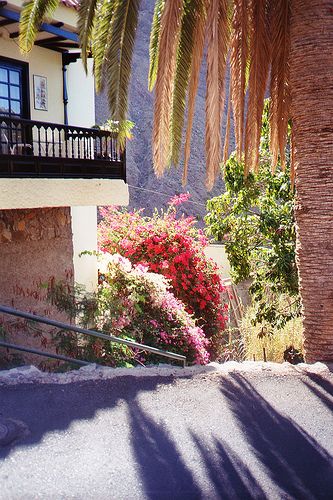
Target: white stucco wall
{"points": [[81, 94], [84, 228], [42, 62], [34, 193], [81, 112], [47, 63], [218, 255]]}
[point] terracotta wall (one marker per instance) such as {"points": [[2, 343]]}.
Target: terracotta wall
{"points": [[35, 244]]}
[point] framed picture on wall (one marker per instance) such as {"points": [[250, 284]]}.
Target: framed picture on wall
{"points": [[40, 92]]}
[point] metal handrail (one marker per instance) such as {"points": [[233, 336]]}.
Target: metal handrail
{"points": [[92, 333], [43, 353]]}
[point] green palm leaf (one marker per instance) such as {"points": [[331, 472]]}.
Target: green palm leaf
{"points": [[85, 27], [155, 43], [183, 68], [101, 38], [118, 58], [32, 15]]}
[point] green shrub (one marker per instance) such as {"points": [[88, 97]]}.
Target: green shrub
{"points": [[255, 219]]}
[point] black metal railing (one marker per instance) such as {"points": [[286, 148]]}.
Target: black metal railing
{"points": [[37, 149], [92, 333]]}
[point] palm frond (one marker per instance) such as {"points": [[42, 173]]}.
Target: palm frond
{"points": [[280, 108], [32, 15], [260, 51], [101, 34], [239, 57], [118, 60], [217, 49], [170, 23], [154, 43], [197, 57], [181, 80], [227, 132], [85, 26]]}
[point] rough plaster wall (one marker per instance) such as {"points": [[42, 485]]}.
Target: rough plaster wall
{"points": [[35, 244]]}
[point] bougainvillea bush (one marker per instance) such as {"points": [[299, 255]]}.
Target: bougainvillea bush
{"points": [[174, 248], [134, 304]]}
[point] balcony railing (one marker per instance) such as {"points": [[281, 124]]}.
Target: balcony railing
{"points": [[37, 149]]}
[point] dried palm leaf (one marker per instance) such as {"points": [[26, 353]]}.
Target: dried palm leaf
{"points": [[170, 23], [239, 54], [225, 12], [258, 79], [227, 132], [280, 109], [217, 49]]}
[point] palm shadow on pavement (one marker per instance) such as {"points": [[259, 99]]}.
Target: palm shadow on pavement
{"points": [[321, 388], [45, 408], [293, 459], [166, 476], [231, 478], [192, 464], [161, 467]]}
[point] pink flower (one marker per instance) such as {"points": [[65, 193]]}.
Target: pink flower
{"points": [[178, 200], [142, 268]]}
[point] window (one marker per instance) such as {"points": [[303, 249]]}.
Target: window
{"points": [[15, 138], [13, 89]]}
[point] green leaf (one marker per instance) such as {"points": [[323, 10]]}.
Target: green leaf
{"points": [[32, 15], [154, 43], [100, 38], [118, 58], [85, 26], [181, 80]]}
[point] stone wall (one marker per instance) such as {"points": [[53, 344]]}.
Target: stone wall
{"points": [[40, 224], [35, 245]]}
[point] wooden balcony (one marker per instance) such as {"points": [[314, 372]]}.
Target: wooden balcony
{"points": [[31, 149]]}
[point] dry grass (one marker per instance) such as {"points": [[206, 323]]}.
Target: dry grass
{"points": [[274, 341]]}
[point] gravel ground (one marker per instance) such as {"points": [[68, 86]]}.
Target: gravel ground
{"points": [[31, 374]]}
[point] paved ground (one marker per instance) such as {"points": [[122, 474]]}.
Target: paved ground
{"points": [[235, 435]]}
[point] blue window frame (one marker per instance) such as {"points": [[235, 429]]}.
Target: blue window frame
{"points": [[14, 89], [14, 103]]}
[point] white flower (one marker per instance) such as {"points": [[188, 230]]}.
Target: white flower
{"points": [[108, 261]]}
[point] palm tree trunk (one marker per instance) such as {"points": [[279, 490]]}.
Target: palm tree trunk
{"points": [[311, 67]]}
